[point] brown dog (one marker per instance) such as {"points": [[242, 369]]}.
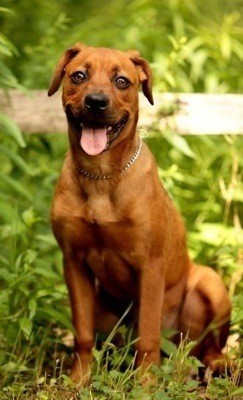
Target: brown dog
{"points": [[121, 237]]}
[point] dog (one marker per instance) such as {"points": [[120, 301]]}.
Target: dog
{"points": [[122, 239]]}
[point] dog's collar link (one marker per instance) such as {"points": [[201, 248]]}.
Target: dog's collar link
{"points": [[128, 165]]}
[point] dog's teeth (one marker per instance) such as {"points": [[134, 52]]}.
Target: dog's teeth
{"points": [[109, 129]]}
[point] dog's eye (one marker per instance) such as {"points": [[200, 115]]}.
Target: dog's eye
{"points": [[122, 82], [78, 77]]}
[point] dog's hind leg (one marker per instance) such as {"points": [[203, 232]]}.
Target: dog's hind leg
{"points": [[205, 316]]}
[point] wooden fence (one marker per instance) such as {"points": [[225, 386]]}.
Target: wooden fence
{"points": [[186, 113]]}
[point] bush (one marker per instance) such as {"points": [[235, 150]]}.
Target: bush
{"points": [[193, 46]]}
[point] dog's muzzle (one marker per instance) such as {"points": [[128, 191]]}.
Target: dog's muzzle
{"points": [[96, 102], [97, 130]]}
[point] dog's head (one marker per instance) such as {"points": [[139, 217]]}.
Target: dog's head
{"points": [[100, 93]]}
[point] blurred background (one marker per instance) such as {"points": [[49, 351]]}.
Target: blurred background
{"points": [[192, 46]]}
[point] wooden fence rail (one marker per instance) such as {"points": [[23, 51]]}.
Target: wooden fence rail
{"points": [[186, 113]]}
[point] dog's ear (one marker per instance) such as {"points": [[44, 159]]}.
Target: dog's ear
{"points": [[59, 71], [144, 73]]}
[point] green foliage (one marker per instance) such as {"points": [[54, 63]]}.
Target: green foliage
{"points": [[7, 50], [110, 382], [31, 281], [193, 46]]}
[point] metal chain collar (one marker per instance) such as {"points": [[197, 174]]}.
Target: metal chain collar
{"points": [[128, 165]]}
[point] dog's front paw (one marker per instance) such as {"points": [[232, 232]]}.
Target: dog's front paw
{"points": [[148, 379], [80, 376]]}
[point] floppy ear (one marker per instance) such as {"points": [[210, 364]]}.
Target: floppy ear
{"points": [[59, 71], [144, 73]]}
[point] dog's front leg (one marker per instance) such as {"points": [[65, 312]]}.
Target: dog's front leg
{"points": [[151, 294], [80, 284]]}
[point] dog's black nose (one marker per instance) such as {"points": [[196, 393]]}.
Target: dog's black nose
{"points": [[96, 101]]}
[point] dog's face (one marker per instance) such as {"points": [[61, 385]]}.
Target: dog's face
{"points": [[100, 93]]}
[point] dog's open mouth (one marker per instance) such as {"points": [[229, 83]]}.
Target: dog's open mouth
{"points": [[97, 138]]}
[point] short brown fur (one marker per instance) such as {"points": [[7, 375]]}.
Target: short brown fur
{"points": [[122, 238]]}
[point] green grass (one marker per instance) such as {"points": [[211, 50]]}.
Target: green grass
{"points": [[34, 359]]}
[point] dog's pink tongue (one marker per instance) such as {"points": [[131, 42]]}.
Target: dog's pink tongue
{"points": [[93, 141]]}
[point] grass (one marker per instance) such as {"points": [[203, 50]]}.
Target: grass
{"points": [[113, 377], [35, 313]]}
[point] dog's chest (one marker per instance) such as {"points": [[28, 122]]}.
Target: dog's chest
{"points": [[99, 211], [108, 225], [112, 271], [115, 250]]}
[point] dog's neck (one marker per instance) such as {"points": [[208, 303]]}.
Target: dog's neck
{"points": [[111, 161]]}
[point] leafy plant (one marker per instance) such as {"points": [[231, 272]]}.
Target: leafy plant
{"points": [[192, 47], [7, 50]]}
